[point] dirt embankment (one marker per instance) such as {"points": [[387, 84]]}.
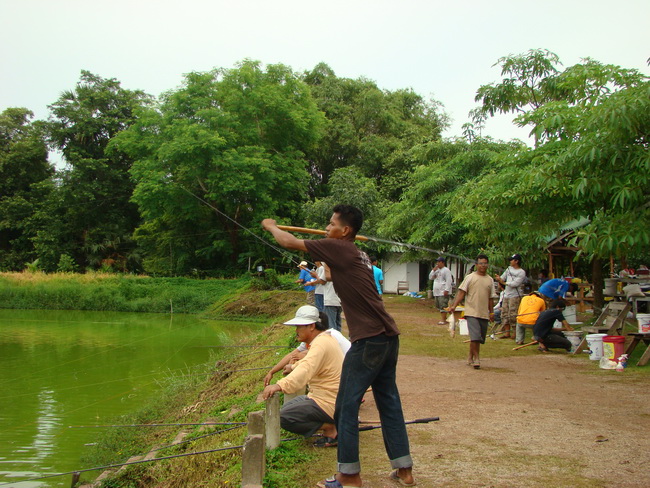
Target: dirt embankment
{"points": [[549, 420]]}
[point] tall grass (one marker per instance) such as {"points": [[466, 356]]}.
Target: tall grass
{"points": [[111, 292]]}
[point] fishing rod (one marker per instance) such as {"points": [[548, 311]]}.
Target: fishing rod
{"points": [[306, 230], [425, 420], [153, 425]]}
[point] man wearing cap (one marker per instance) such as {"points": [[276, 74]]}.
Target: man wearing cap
{"points": [[512, 279], [305, 280], [372, 359], [321, 369], [443, 284]]}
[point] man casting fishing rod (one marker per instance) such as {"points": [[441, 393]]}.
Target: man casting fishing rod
{"points": [[372, 359]]}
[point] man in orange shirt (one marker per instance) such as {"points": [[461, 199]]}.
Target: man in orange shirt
{"points": [[529, 309]]}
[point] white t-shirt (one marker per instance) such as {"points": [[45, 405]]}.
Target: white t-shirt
{"points": [[344, 343]]}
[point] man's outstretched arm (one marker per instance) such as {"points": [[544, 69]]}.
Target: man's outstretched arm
{"points": [[285, 239]]}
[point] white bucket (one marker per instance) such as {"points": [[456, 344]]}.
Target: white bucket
{"points": [[570, 314], [595, 345], [644, 322], [575, 337]]}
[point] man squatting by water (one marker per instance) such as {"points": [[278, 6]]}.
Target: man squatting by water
{"points": [[372, 359]]}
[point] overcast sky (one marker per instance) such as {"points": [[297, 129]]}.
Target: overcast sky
{"points": [[442, 50]]}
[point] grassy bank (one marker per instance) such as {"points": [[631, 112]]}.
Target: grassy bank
{"points": [[112, 292], [225, 390]]}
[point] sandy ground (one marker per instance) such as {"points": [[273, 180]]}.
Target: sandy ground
{"points": [[536, 421]]}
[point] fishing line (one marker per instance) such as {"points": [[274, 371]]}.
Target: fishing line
{"points": [[281, 251]]}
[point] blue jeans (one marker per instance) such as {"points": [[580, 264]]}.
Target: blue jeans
{"points": [[319, 300], [370, 362], [333, 317]]}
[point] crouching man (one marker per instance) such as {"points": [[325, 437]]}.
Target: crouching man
{"points": [[321, 369], [543, 331]]}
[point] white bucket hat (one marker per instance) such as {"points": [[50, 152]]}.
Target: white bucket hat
{"points": [[305, 315]]}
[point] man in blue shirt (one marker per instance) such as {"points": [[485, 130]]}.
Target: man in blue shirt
{"points": [[378, 273], [304, 279]]}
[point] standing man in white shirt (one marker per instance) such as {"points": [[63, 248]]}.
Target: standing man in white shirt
{"points": [[443, 284], [512, 279]]}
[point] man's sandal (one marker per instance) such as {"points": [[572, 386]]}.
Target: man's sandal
{"points": [[394, 476], [333, 483], [325, 442]]}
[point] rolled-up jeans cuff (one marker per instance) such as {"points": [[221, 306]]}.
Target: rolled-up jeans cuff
{"points": [[349, 468], [402, 462]]}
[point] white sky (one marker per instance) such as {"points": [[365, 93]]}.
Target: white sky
{"points": [[443, 50]]}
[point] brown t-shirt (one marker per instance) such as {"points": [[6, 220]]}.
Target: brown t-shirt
{"points": [[354, 283]]}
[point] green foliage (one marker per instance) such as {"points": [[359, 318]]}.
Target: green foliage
{"points": [[591, 122], [23, 164], [88, 214], [66, 264], [233, 139], [121, 293], [369, 129], [348, 186], [423, 216]]}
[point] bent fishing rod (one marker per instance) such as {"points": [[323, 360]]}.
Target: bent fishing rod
{"points": [[306, 230]]}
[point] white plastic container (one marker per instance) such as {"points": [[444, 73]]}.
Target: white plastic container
{"points": [[575, 337], [462, 327], [595, 345], [644, 322]]}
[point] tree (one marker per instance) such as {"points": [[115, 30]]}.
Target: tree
{"points": [[235, 138], [591, 160], [92, 218], [349, 187], [23, 164], [369, 128], [423, 216]]}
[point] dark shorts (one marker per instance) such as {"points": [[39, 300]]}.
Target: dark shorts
{"points": [[442, 301], [477, 329], [303, 416]]}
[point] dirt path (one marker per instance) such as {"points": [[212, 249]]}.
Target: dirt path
{"points": [[534, 421]]}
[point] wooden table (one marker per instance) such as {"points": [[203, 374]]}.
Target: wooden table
{"points": [[638, 337]]}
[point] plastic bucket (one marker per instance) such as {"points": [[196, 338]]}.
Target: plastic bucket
{"points": [[595, 344], [613, 347], [610, 287], [644, 322], [575, 337], [570, 314]]}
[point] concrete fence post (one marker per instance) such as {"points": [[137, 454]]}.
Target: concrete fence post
{"points": [[253, 461], [272, 422], [256, 423]]}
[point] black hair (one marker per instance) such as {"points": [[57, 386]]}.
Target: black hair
{"points": [[350, 216], [373, 258], [558, 303], [323, 323], [482, 256]]}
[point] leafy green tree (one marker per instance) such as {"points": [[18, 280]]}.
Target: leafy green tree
{"points": [[349, 187], [591, 123], [370, 129], [234, 138], [92, 218], [423, 216], [23, 164]]}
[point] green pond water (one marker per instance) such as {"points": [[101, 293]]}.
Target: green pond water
{"points": [[69, 368]]}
